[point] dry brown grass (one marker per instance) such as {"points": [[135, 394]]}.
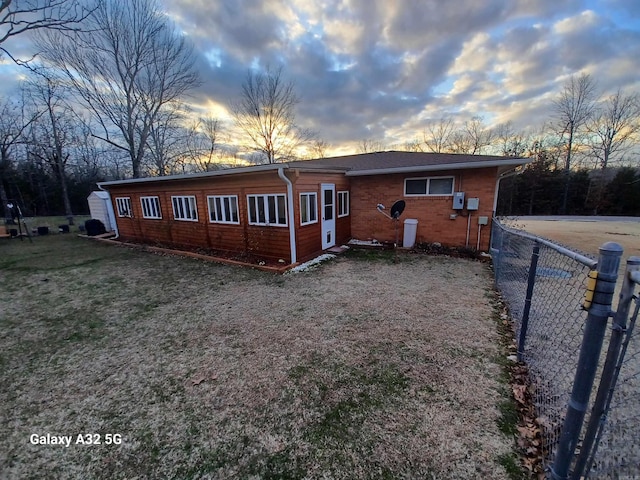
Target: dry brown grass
{"points": [[360, 369], [587, 236]]}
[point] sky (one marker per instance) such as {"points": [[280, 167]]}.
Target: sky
{"points": [[383, 69]]}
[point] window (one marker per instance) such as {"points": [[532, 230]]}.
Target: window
{"points": [[150, 207], [223, 209], [308, 208], [184, 208], [343, 204], [123, 205], [428, 186], [267, 210]]}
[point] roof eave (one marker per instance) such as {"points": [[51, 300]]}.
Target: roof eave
{"points": [[434, 168], [196, 176]]}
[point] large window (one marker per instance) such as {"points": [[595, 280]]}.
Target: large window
{"points": [[428, 186], [184, 208], [223, 209], [150, 207], [123, 204], [343, 204], [308, 208], [267, 210]]}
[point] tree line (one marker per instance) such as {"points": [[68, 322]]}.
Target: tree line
{"points": [[107, 98]]}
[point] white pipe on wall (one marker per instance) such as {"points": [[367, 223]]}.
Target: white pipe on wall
{"points": [[292, 215]]}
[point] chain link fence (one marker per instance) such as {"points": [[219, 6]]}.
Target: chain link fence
{"points": [[543, 285], [615, 452]]}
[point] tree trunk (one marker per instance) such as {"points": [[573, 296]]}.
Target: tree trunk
{"points": [[565, 193], [65, 195], [5, 200], [567, 170]]}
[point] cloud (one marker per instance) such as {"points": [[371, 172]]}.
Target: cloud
{"points": [[381, 69]]}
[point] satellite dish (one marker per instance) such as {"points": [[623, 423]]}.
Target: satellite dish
{"points": [[397, 209]]}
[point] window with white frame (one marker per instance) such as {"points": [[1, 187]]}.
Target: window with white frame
{"points": [[308, 208], [267, 209], [184, 208], [343, 204], [151, 207], [123, 204], [223, 209], [428, 186]]}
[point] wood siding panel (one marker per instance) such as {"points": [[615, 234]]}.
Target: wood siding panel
{"points": [[308, 237], [271, 242]]}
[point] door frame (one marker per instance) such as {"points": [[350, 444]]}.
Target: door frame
{"points": [[328, 228]]}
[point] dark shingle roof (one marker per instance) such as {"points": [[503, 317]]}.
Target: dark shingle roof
{"points": [[361, 164], [383, 162]]}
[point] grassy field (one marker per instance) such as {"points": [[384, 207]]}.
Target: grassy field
{"points": [[361, 369], [587, 236]]}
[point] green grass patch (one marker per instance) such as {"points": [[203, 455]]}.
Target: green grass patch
{"points": [[511, 463], [508, 408]]}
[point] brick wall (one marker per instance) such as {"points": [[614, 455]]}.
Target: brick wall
{"points": [[432, 212]]}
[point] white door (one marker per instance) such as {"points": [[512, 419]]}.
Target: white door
{"points": [[328, 215]]}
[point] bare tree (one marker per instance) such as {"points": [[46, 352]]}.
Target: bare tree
{"points": [[472, 138], [265, 113], [14, 120], [127, 65], [19, 16], [203, 143], [478, 134], [573, 108], [614, 127], [511, 143], [413, 146], [368, 145], [166, 142], [319, 148], [437, 135], [52, 135]]}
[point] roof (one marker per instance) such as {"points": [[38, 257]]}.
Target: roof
{"points": [[378, 163], [405, 162], [100, 194]]}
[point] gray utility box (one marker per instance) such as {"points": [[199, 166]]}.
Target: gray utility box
{"points": [[473, 203], [458, 200]]}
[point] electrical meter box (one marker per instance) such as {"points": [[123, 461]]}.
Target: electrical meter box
{"points": [[483, 220], [473, 203], [458, 200]]}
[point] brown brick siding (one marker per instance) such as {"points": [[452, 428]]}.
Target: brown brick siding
{"points": [[432, 213]]}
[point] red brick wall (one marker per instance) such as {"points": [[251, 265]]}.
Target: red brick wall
{"points": [[432, 212]]}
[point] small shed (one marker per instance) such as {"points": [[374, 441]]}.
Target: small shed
{"points": [[101, 208]]}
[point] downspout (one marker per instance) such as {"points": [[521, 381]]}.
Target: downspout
{"points": [[115, 226], [292, 216], [495, 195], [506, 174]]}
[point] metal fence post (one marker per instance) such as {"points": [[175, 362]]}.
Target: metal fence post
{"points": [[595, 327], [527, 301], [496, 249], [598, 411]]}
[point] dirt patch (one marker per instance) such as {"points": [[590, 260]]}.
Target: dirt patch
{"points": [[359, 369]]}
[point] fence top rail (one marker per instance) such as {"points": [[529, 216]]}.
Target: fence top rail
{"points": [[578, 257]]}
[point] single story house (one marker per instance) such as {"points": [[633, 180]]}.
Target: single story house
{"points": [[293, 211]]}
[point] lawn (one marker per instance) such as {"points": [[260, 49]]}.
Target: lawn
{"points": [[363, 368]]}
